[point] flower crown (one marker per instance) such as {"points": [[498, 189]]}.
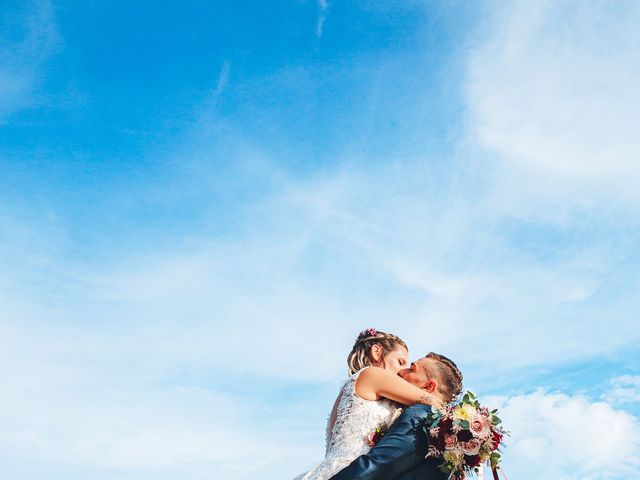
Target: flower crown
{"points": [[369, 332]]}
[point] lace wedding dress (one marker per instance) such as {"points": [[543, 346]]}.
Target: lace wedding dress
{"points": [[348, 439]]}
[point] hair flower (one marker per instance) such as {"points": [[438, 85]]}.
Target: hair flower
{"points": [[369, 332]]}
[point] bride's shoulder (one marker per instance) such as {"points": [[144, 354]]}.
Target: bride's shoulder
{"points": [[368, 382], [369, 373]]}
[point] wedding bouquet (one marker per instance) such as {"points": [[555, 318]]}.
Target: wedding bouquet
{"points": [[464, 436]]}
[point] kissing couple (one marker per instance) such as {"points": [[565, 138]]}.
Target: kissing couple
{"points": [[374, 430]]}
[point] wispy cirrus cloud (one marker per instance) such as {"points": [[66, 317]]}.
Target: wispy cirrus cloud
{"points": [[552, 94], [223, 78], [27, 43], [323, 6]]}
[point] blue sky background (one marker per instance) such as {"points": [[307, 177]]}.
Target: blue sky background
{"points": [[202, 203]]}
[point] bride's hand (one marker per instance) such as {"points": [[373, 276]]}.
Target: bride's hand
{"points": [[433, 400]]}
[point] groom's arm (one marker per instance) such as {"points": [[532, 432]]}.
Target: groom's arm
{"points": [[402, 448]]}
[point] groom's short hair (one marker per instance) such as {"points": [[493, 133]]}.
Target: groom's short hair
{"points": [[450, 384]]}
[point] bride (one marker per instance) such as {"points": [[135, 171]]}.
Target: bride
{"points": [[368, 400]]}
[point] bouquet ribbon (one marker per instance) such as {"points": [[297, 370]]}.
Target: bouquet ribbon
{"points": [[494, 471]]}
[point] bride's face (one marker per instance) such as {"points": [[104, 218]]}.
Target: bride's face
{"points": [[396, 359]]}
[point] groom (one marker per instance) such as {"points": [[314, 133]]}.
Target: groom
{"points": [[400, 455]]}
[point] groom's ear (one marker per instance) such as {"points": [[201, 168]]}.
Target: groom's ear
{"points": [[431, 386]]}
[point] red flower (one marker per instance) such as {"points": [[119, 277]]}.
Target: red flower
{"points": [[444, 428], [445, 425], [374, 437], [438, 442], [472, 460], [464, 435], [497, 438]]}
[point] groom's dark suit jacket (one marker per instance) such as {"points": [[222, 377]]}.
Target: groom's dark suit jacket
{"points": [[400, 453]]}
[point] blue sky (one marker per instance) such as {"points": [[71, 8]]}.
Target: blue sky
{"points": [[201, 204]]}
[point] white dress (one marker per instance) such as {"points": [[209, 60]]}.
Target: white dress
{"points": [[356, 418]]}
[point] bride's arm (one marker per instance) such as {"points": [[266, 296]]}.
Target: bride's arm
{"points": [[374, 382]]}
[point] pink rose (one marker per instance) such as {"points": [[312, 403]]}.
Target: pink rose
{"points": [[479, 426], [472, 447], [450, 441]]}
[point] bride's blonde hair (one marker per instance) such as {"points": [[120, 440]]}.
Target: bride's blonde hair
{"points": [[360, 355]]}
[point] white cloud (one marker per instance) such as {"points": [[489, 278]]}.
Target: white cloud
{"points": [[625, 389], [553, 92], [568, 437]]}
